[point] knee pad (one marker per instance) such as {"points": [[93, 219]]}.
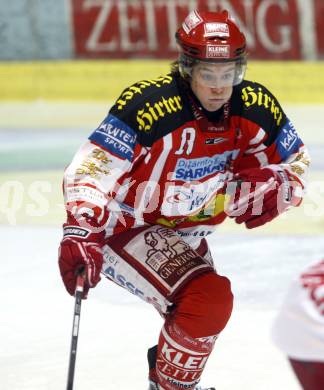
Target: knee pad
{"points": [[204, 305]]}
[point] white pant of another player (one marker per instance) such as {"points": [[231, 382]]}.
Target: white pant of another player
{"points": [[299, 327]]}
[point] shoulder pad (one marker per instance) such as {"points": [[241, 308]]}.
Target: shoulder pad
{"points": [[143, 89], [255, 102], [150, 107]]}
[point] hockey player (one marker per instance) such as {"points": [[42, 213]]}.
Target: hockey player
{"points": [[299, 327], [173, 158]]}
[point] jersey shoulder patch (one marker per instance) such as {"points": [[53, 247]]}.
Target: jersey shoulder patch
{"points": [[142, 90], [152, 108], [256, 103], [115, 136]]}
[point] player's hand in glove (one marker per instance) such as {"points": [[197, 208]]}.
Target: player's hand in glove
{"points": [[258, 195], [81, 252]]}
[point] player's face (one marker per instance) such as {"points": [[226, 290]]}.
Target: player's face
{"points": [[213, 84]]}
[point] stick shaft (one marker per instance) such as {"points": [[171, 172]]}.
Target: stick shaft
{"points": [[75, 330]]}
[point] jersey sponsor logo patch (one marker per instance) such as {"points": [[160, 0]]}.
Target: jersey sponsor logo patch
{"points": [[85, 194], [217, 51], [137, 89], [116, 137], [214, 141], [190, 198], [153, 112], [195, 233], [165, 256], [75, 231], [258, 96], [95, 165], [185, 202], [120, 279], [198, 168], [288, 141]]}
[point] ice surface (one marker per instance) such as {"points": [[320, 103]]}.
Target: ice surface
{"points": [[117, 328]]}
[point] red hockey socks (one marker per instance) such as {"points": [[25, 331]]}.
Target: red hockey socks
{"points": [[180, 358], [309, 374], [202, 310]]}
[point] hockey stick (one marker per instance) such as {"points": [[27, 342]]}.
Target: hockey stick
{"points": [[75, 330]]}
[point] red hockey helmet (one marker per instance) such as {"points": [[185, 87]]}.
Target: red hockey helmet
{"points": [[211, 37]]}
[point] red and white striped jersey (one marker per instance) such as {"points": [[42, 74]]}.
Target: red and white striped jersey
{"points": [[160, 158]]}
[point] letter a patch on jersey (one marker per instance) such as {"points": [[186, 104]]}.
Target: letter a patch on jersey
{"points": [[187, 141]]}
